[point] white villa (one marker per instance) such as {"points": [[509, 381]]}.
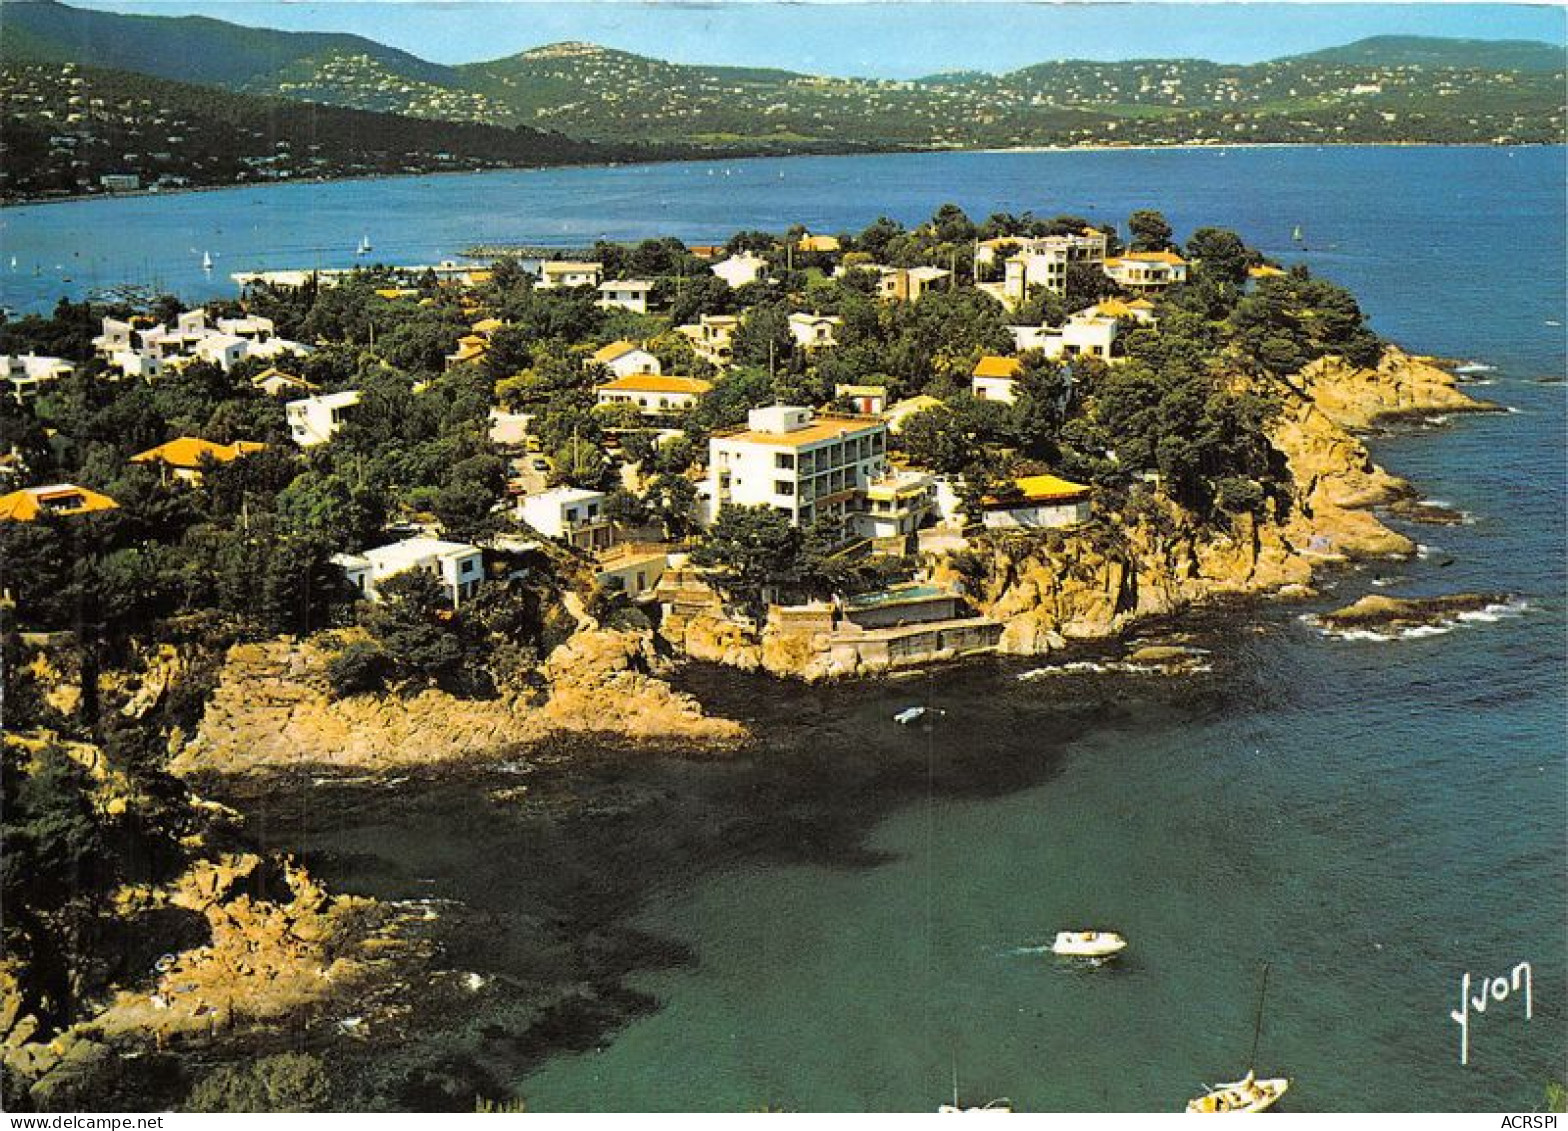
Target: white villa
{"points": [[712, 337], [996, 379], [626, 358], [458, 566], [573, 515], [652, 394], [626, 294], [813, 331], [27, 372], [569, 273], [315, 420], [738, 270], [805, 465], [1147, 271], [1085, 334], [907, 284]]}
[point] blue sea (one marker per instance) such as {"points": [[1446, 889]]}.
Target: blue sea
{"points": [[852, 917]]}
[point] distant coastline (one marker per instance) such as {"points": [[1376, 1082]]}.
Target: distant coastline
{"points": [[76, 198]]}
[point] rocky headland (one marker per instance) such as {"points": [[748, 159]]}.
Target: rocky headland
{"points": [[1054, 588]]}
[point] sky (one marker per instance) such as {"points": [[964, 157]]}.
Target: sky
{"points": [[874, 40]]}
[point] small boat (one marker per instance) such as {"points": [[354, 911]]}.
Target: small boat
{"points": [[1088, 944], [1296, 234], [364, 247], [1244, 1095], [1249, 1093], [995, 1107], [915, 714], [206, 261]]}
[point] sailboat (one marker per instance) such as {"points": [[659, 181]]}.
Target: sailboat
{"points": [[1296, 233], [995, 1107], [364, 246], [1249, 1093], [206, 261]]}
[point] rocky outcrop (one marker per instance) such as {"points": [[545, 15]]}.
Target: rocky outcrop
{"points": [[272, 709], [1080, 585], [277, 947], [1399, 387], [1377, 612]]}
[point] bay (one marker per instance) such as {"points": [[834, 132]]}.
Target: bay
{"points": [[849, 917]]}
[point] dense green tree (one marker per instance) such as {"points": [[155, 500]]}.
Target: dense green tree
{"points": [[753, 552], [1149, 229]]}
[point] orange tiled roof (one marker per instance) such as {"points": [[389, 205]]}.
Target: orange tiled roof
{"points": [[1041, 489], [993, 366], [614, 350], [653, 383], [61, 498], [188, 452]]}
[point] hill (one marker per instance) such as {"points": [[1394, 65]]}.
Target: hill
{"points": [[192, 49], [1386, 89], [1430, 51], [62, 127]]}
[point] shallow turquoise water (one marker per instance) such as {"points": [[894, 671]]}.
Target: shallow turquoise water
{"points": [[845, 922]]}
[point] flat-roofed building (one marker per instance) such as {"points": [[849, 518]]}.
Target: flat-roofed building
{"points": [[315, 420], [569, 273], [574, 515], [458, 566], [626, 294], [806, 465]]}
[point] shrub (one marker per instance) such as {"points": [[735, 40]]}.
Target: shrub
{"points": [[359, 668], [290, 1081]]}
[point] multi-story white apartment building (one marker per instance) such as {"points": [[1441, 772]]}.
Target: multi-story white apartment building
{"points": [[1085, 334], [1038, 262], [806, 465], [27, 372]]}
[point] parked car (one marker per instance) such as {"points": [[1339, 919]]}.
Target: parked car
{"points": [[539, 463]]}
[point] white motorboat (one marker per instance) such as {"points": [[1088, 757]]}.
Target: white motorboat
{"points": [[915, 714], [1088, 944], [1244, 1095]]}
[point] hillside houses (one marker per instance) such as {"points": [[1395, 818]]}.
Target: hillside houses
{"points": [[148, 351]]}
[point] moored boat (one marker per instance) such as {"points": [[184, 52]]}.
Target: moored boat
{"points": [[1088, 944], [1244, 1095]]}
